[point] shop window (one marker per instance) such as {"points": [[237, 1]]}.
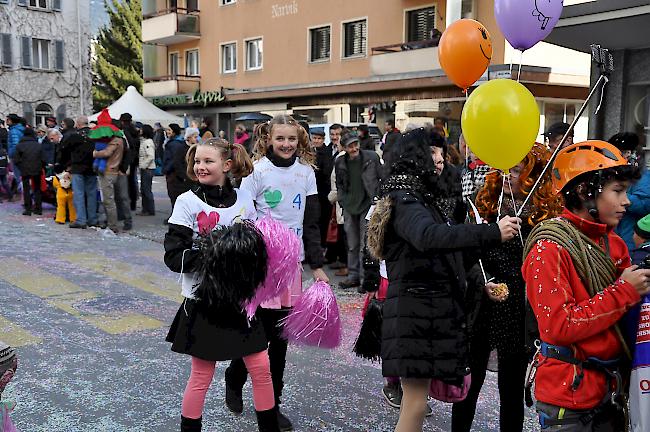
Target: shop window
{"points": [[637, 111], [420, 24], [254, 49], [319, 39], [229, 58], [468, 9], [192, 63], [558, 112], [173, 65], [355, 36], [42, 111]]}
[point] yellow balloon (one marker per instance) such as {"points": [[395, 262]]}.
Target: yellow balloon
{"points": [[500, 122]]}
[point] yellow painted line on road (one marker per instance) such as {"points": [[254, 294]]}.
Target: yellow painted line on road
{"points": [[128, 274], [15, 336], [64, 295], [156, 254]]}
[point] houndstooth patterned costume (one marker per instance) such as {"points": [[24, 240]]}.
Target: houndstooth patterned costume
{"points": [[473, 180]]}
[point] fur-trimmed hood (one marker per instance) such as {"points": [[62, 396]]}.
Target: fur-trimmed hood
{"points": [[378, 225]]}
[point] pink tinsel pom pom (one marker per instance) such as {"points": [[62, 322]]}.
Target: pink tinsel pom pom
{"points": [[283, 248], [314, 320]]}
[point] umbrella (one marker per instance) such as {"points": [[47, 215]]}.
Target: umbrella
{"points": [[254, 117]]}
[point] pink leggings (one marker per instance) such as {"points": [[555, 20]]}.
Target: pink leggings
{"points": [[201, 376]]}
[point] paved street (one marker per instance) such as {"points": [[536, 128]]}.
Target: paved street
{"points": [[89, 314]]}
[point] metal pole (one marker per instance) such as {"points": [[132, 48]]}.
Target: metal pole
{"points": [[81, 65], [564, 138]]}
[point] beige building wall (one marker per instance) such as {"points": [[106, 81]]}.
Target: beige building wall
{"points": [[284, 28]]}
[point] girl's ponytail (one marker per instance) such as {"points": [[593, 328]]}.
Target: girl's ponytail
{"points": [[242, 165], [261, 133]]}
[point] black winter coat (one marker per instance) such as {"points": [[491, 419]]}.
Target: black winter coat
{"points": [[28, 156], [80, 148], [323, 172], [370, 175], [425, 328]]}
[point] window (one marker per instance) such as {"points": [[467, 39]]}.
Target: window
{"points": [[227, 2], [468, 9], [420, 24], [192, 5], [38, 4], [192, 63], [319, 43], [254, 54], [40, 54], [6, 54], [173, 65], [355, 35], [229, 58], [42, 111]]}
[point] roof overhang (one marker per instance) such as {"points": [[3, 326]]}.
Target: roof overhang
{"points": [[614, 24]]}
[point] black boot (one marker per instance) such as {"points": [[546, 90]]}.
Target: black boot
{"points": [[267, 421], [191, 425], [284, 423], [234, 398]]}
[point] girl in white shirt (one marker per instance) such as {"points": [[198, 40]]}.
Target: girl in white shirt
{"points": [[210, 333], [283, 184]]}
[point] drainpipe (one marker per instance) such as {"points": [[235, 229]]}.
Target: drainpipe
{"points": [[81, 65]]}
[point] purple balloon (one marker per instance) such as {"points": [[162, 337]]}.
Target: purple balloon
{"points": [[526, 22]]}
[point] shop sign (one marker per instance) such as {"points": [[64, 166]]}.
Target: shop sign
{"points": [[171, 100], [280, 10], [198, 98], [208, 97]]}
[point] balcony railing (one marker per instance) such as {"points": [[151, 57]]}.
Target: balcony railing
{"points": [[171, 26], [405, 57], [171, 85]]}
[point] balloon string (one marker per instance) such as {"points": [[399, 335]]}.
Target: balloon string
{"points": [[514, 205], [466, 146], [521, 59], [564, 138], [501, 196]]}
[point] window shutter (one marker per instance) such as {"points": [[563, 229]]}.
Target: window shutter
{"points": [[26, 44], [420, 24], [56, 5], [7, 55], [355, 38], [22, 2], [28, 113], [320, 44], [58, 55]]}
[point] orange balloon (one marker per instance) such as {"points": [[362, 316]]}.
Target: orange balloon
{"points": [[465, 51]]}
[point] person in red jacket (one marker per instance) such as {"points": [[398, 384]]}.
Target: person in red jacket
{"points": [[580, 283]]}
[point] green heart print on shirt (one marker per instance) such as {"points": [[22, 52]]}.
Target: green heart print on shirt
{"points": [[273, 198]]}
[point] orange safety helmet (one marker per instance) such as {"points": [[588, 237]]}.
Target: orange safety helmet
{"points": [[584, 157]]}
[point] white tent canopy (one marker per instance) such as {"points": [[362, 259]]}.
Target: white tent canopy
{"points": [[140, 109]]}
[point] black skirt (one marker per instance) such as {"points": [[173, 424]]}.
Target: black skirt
{"points": [[215, 333]]}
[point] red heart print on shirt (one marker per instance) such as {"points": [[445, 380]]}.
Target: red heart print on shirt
{"points": [[207, 222]]}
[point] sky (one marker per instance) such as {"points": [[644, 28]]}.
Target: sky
{"points": [[98, 16]]}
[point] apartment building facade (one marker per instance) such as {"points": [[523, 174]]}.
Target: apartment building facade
{"points": [[335, 60], [44, 59]]}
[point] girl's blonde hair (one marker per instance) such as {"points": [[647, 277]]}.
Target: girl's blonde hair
{"points": [[264, 132], [242, 165]]}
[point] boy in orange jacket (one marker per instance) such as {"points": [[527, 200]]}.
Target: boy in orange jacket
{"points": [[580, 282]]}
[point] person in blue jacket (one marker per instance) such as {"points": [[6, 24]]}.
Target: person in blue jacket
{"points": [[638, 193], [16, 125]]}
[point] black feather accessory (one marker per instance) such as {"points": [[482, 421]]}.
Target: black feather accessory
{"points": [[233, 264], [368, 343]]}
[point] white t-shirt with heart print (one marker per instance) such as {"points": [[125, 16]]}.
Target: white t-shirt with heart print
{"points": [[281, 191], [186, 213]]}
